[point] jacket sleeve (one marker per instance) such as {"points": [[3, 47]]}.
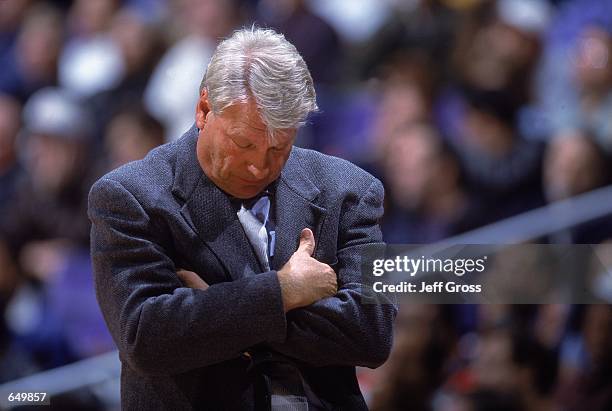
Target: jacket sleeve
{"points": [[342, 330], [159, 326]]}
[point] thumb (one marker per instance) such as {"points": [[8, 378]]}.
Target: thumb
{"points": [[307, 241], [191, 279]]}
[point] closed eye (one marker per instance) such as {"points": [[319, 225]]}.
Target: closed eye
{"points": [[242, 145]]}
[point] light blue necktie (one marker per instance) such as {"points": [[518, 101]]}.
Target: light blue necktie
{"points": [[254, 222]]}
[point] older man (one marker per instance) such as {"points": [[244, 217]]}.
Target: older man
{"points": [[206, 264]]}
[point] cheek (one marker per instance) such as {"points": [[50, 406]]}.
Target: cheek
{"points": [[225, 160], [277, 167], [278, 162]]}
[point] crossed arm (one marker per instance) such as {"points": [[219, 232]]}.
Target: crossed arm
{"points": [[162, 327]]}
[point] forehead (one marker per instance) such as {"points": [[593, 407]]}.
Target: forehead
{"points": [[244, 120], [243, 116]]}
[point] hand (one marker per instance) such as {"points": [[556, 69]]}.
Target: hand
{"points": [[303, 279], [191, 279]]}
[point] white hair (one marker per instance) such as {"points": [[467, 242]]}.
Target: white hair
{"points": [[261, 64]]}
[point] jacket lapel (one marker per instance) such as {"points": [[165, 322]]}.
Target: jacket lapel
{"points": [[295, 210], [218, 226]]}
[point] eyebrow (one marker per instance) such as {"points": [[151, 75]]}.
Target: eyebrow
{"points": [[237, 133]]}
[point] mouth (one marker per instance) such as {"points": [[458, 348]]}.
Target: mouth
{"points": [[250, 182]]}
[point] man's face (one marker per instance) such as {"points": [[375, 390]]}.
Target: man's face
{"points": [[235, 150]]}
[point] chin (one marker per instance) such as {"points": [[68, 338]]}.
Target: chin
{"points": [[247, 192]]}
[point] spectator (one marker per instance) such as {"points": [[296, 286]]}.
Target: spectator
{"points": [[426, 200], [131, 135], [406, 93], [32, 61], [574, 164], [422, 347], [140, 49], [593, 76], [171, 94], [315, 39], [578, 36], [420, 27], [503, 170], [506, 365], [90, 62]]}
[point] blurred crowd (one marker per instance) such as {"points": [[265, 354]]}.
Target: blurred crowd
{"points": [[469, 111], [498, 358]]}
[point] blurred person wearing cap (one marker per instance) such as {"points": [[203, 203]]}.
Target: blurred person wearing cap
{"points": [[227, 263], [48, 212]]}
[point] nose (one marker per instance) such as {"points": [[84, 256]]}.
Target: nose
{"points": [[259, 173], [258, 163], [258, 166]]}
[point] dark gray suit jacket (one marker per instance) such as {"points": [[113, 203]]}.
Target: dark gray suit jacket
{"points": [[181, 348]]}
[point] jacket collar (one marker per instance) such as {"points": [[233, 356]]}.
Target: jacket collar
{"points": [[187, 170]]}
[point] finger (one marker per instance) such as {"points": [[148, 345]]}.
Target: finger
{"points": [[191, 279], [307, 241]]}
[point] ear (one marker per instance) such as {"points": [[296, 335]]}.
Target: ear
{"points": [[202, 109]]}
